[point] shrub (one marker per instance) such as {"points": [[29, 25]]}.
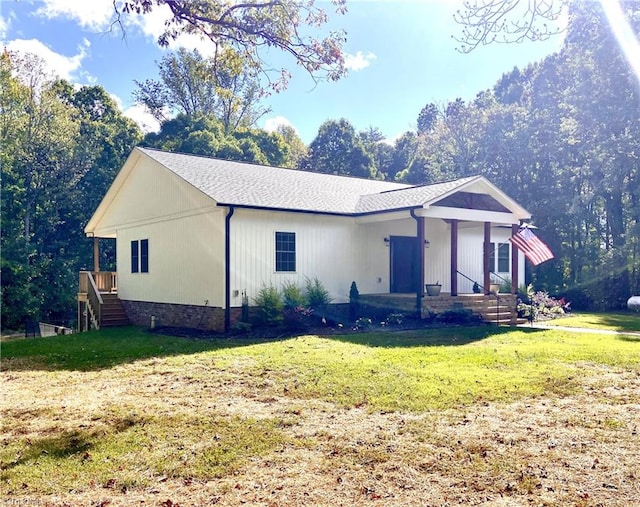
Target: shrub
{"points": [[318, 297], [270, 303], [292, 296], [297, 318], [394, 319], [362, 323], [241, 327], [542, 306], [354, 301]]}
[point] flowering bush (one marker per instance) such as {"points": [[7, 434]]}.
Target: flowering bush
{"points": [[393, 319], [362, 323], [542, 306], [297, 317]]}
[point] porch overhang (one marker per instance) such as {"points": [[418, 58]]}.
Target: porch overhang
{"points": [[471, 215]]}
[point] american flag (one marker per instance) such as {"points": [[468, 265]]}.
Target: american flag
{"points": [[531, 246]]}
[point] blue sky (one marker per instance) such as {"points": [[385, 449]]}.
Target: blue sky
{"points": [[401, 53]]}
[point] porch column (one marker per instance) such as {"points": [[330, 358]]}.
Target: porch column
{"points": [[420, 274], [486, 257], [514, 261], [96, 255], [454, 257]]}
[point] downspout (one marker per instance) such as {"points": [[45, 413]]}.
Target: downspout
{"points": [[227, 271], [420, 252]]}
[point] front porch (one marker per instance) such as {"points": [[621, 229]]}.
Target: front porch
{"points": [[491, 308]]}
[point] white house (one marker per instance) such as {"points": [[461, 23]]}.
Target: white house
{"points": [[194, 233]]}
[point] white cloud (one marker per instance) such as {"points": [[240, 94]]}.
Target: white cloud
{"points": [[391, 141], [4, 27], [139, 114], [152, 25], [358, 61], [272, 124], [65, 67], [92, 14], [99, 15]]}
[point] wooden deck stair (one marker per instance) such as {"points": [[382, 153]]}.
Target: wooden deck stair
{"points": [[98, 302], [112, 313]]}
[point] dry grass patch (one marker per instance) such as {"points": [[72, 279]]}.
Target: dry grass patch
{"points": [[307, 422]]}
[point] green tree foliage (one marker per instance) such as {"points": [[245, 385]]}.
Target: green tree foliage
{"points": [[338, 149], [427, 118], [562, 137], [60, 149], [190, 84], [252, 29], [205, 135], [296, 148]]}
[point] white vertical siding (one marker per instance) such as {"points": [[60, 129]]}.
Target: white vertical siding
{"points": [[374, 262], [325, 247], [185, 232], [437, 257], [470, 254], [186, 261], [152, 193]]}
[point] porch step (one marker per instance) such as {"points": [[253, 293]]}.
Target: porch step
{"points": [[494, 314], [112, 313], [489, 309]]}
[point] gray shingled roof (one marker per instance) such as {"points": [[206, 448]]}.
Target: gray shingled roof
{"points": [[252, 185], [408, 197]]}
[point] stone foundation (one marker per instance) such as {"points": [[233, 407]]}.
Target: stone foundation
{"points": [[380, 305], [176, 315]]}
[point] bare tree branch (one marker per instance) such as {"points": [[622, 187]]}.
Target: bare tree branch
{"points": [[250, 27], [505, 21]]}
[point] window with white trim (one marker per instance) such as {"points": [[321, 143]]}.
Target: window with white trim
{"points": [[140, 256], [500, 260], [285, 252]]}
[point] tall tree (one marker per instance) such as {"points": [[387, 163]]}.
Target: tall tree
{"points": [[296, 148], [60, 150], [193, 85], [205, 135], [427, 118], [337, 149]]}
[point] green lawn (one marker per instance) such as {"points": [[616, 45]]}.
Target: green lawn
{"points": [[614, 321], [131, 405], [387, 370]]}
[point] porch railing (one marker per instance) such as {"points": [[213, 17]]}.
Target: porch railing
{"points": [[87, 285], [488, 292], [105, 281]]}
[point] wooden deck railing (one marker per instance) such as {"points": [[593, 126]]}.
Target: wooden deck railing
{"points": [[105, 281], [93, 284]]}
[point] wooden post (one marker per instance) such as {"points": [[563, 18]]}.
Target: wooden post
{"points": [[96, 255], [454, 257], [420, 273], [514, 261], [486, 257]]}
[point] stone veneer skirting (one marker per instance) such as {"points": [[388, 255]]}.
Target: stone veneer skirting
{"points": [[176, 315]]}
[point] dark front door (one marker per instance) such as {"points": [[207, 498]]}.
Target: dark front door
{"points": [[404, 264]]}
